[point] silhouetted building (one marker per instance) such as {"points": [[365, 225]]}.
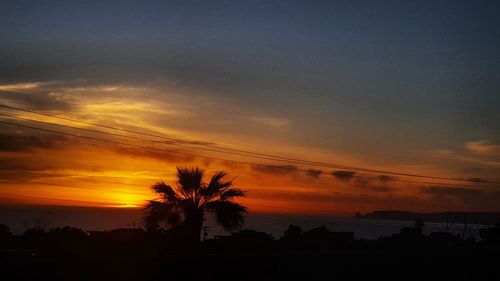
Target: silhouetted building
{"points": [[243, 240], [321, 238]]}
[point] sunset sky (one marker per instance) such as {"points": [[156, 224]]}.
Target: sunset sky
{"points": [[401, 87]]}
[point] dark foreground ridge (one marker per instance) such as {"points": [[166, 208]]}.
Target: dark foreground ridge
{"points": [[485, 218], [318, 254]]}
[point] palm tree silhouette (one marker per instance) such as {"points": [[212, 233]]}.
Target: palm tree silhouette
{"points": [[185, 204]]}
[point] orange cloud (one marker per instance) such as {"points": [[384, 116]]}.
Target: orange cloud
{"points": [[483, 147], [44, 168]]}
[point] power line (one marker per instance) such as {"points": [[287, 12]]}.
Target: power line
{"points": [[255, 154], [423, 182], [159, 142], [90, 203], [75, 177], [52, 198], [193, 142], [58, 185], [177, 141], [295, 169], [152, 148]]}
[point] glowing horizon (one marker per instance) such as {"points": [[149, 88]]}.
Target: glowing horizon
{"points": [[409, 88], [113, 175]]}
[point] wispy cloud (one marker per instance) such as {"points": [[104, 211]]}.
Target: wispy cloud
{"points": [[385, 178], [448, 154], [20, 86], [314, 173], [450, 191], [35, 99], [372, 186], [275, 169], [271, 121], [343, 175], [483, 147], [17, 142]]}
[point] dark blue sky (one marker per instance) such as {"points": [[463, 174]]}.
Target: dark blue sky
{"points": [[394, 79]]}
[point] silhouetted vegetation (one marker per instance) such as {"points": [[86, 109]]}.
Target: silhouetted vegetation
{"points": [[69, 240], [449, 217], [4, 231], [169, 247], [183, 206], [293, 255], [491, 235]]}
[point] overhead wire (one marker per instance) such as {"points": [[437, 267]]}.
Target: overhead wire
{"points": [[179, 142], [289, 168]]}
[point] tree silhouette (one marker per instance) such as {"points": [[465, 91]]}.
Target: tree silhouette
{"points": [[185, 204]]}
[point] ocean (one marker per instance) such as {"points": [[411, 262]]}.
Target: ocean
{"points": [[20, 218]]}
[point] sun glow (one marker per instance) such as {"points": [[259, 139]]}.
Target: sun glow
{"points": [[127, 200], [127, 206]]}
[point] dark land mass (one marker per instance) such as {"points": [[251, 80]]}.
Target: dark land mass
{"points": [[318, 254], [485, 218], [387, 264]]}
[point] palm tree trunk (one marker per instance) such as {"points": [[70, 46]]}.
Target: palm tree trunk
{"points": [[193, 224]]}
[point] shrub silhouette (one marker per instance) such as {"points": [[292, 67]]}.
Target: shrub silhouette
{"points": [[491, 235], [4, 231]]}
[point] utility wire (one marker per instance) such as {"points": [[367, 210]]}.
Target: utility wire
{"points": [[53, 198], [193, 142], [160, 142], [255, 154], [181, 142], [295, 169], [153, 148], [58, 185], [73, 177]]}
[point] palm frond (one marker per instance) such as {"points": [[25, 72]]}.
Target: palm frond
{"points": [[231, 193], [156, 212], [189, 180], [187, 202], [166, 191], [216, 185], [228, 214]]}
